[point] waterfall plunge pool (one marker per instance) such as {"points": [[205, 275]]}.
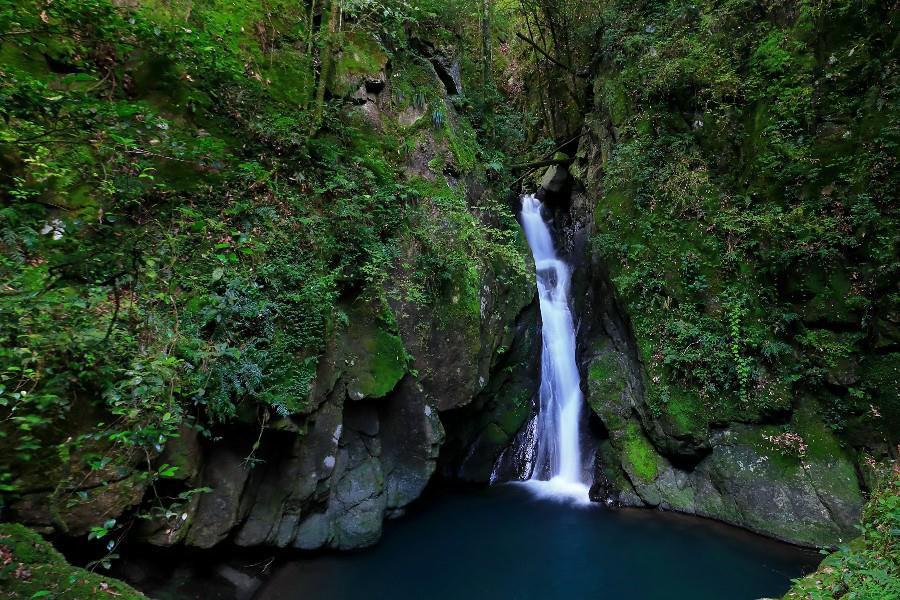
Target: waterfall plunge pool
{"points": [[503, 542], [538, 539]]}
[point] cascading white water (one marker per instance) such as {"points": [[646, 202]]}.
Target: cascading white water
{"points": [[557, 468]]}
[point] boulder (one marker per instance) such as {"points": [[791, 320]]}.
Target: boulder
{"points": [[555, 179], [412, 435], [225, 473]]}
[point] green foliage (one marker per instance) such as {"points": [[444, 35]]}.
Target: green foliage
{"points": [[174, 244], [748, 212]]}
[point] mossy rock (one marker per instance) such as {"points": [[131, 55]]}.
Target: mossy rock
{"points": [[639, 458], [686, 414], [615, 475], [816, 487], [606, 381], [615, 99], [32, 568], [375, 357], [361, 58]]}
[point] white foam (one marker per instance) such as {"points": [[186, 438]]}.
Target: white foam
{"points": [[558, 489]]}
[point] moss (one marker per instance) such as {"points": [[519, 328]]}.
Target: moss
{"points": [[468, 292], [462, 143], [381, 363], [387, 363], [687, 412], [820, 440], [786, 464], [638, 453], [612, 467], [880, 377], [289, 76], [378, 359], [606, 381], [37, 569], [412, 84], [494, 435], [513, 407], [616, 101], [360, 56]]}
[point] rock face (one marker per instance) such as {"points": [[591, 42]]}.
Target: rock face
{"points": [[372, 443], [736, 472], [396, 383]]}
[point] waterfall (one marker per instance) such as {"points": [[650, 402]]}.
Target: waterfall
{"points": [[557, 468]]}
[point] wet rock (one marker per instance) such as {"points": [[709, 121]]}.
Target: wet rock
{"points": [[481, 431], [357, 504], [447, 64], [314, 532], [556, 179], [292, 475], [244, 585], [226, 474], [412, 434]]}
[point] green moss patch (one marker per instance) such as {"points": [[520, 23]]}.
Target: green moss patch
{"points": [[360, 56], [606, 381], [687, 413], [31, 568], [638, 454], [378, 359]]}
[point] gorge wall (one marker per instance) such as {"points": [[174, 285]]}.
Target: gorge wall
{"points": [[269, 282], [314, 286], [739, 324]]}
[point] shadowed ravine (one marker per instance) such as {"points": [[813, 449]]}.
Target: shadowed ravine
{"points": [[542, 537]]}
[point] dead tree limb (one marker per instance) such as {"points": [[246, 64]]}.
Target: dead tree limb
{"points": [[545, 161], [545, 54], [542, 163]]}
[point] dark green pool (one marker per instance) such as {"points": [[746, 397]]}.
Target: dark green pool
{"points": [[502, 543]]}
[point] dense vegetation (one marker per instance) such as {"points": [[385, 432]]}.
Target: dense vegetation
{"points": [[192, 204], [194, 201], [750, 214]]}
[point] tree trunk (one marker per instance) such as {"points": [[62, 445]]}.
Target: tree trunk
{"points": [[486, 40], [326, 59]]}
